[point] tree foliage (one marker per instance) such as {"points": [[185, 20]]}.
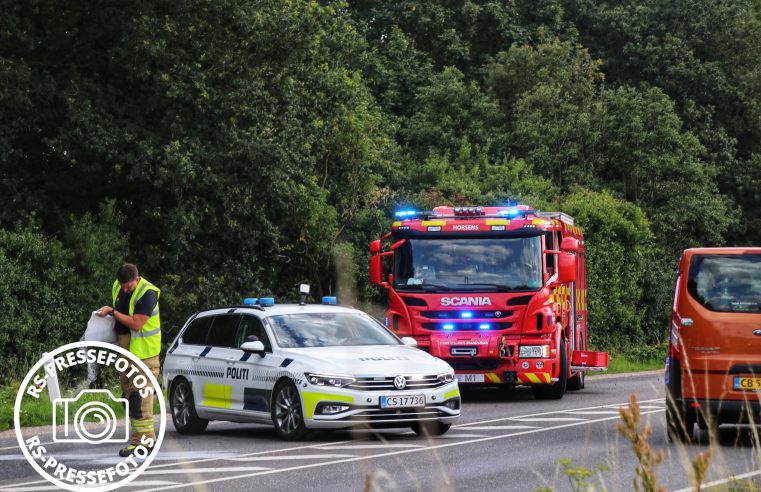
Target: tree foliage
{"points": [[238, 147]]}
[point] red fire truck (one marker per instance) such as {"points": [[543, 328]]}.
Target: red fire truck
{"points": [[497, 292]]}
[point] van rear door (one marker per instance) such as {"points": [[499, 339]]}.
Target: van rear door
{"points": [[720, 312]]}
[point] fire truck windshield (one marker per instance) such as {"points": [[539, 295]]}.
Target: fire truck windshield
{"points": [[469, 264]]}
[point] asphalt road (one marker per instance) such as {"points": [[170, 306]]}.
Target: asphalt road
{"points": [[505, 440]]}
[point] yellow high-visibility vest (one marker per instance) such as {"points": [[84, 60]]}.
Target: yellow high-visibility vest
{"points": [[146, 342]]}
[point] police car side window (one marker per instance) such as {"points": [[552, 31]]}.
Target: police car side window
{"points": [[223, 330], [251, 325], [197, 332]]}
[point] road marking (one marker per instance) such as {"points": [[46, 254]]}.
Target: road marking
{"points": [[550, 419], [294, 457], [374, 446], [136, 483], [593, 412], [502, 427], [450, 435], [723, 481], [190, 471], [393, 453]]}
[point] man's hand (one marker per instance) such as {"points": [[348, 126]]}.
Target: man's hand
{"points": [[104, 311]]}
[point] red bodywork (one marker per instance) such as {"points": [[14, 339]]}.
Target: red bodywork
{"points": [[552, 313]]}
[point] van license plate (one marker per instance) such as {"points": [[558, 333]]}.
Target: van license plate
{"points": [[742, 383], [402, 401]]}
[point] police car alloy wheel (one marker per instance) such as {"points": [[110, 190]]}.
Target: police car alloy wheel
{"points": [[287, 414], [184, 415]]}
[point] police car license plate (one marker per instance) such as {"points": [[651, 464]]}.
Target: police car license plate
{"points": [[743, 383], [405, 401]]}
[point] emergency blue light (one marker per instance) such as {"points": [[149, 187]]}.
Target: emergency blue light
{"points": [[484, 326], [330, 300], [267, 301], [448, 326], [405, 214], [250, 301], [466, 314], [513, 212]]}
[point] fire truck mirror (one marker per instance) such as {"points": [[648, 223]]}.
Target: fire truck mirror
{"points": [[375, 246], [376, 269], [566, 268], [570, 244]]}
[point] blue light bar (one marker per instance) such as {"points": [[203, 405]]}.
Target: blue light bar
{"points": [[513, 212], [330, 300], [466, 314], [484, 326], [250, 301], [405, 214], [448, 326], [267, 301]]}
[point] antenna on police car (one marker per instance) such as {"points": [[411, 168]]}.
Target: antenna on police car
{"points": [[303, 293]]}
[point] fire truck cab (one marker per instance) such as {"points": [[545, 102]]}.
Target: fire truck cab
{"points": [[497, 292]]}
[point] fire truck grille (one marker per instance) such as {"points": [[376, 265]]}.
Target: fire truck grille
{"points": [[458, 314], [387, 383], [472, 326]]}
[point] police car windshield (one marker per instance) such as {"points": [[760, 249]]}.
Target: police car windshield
{"points": [[329, 330], [469, 265]]}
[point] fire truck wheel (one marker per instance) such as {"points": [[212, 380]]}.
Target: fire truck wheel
{"points": [[557, 390], [425, 429], [576, 382]]}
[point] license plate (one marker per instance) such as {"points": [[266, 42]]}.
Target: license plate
{"points": [[744, 384], [405, 401], [469, 378]]}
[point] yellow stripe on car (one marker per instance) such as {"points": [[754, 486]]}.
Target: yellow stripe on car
{"points": [[311, 399], [217, 395], [452, 394]]}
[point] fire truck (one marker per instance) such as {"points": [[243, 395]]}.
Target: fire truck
{"points": [[497, 292]]}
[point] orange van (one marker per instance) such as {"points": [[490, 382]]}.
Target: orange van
{"points": [[713, 367]]}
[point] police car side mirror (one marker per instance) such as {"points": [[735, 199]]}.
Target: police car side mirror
{"points": [[256, 347], [409, 341]]}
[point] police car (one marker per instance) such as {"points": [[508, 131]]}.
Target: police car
{"points": [[301, 367]]}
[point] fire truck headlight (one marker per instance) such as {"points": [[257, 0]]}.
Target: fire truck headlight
{"points": [[534, 351]]}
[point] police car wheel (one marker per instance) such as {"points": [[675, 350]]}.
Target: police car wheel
{"points": [[430, 428], [287, 412], [184, 415]]}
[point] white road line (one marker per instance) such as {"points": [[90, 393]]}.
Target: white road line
{"points": [[450, 435], [592, 412], [392, 453], [136, 483], [190, 471], [294, 457], [374, 446], [723, 481], [550, 419], [317, 446], [503, 427]]}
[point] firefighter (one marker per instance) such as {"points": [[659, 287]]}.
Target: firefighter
{"points": [[136, 308]]}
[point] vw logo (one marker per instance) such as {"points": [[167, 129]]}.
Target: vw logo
{"points": [[400, 382]]}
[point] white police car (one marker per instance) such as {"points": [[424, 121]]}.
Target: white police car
{"points": [[303, 367]]}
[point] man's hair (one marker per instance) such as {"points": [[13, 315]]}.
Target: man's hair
{"points": [[126, 273]]}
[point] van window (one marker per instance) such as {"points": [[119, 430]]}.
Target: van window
{"points": [[224, 330], [726, 283], [197, 332]]}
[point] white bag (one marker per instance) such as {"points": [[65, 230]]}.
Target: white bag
{"points": [[100, 329]]}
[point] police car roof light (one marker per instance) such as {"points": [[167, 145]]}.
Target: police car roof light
{"points": [[330, 300], [250, 301], [267, 301]]}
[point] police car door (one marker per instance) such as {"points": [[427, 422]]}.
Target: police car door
{"points": [[220, 382], [259, 372]]}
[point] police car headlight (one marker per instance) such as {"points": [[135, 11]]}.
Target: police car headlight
{"points": [[534, 351], [337, 381], [446, 377]]}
